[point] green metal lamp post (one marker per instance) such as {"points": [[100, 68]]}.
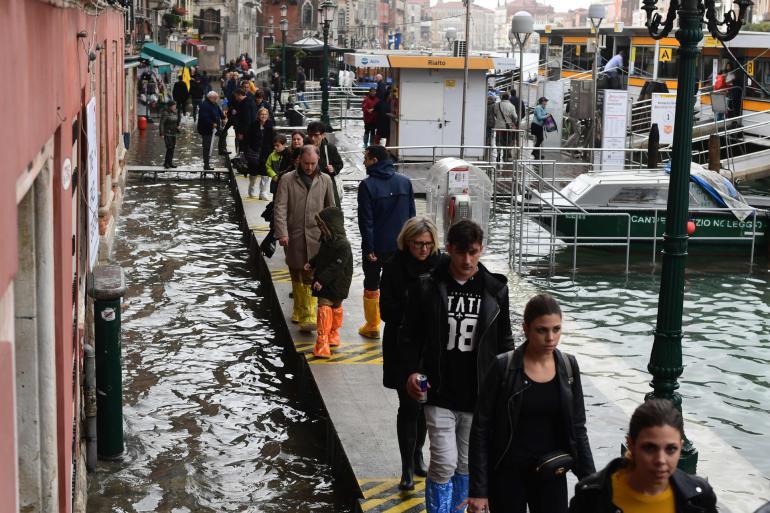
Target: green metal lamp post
{"points": [[666, 357], [326, 9], [284, 23]]}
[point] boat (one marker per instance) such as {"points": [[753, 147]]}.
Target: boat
{"points": [[615, 207]]}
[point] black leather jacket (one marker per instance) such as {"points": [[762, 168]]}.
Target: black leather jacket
{"points": [[421, 342], [497, 414], [692, 494]]}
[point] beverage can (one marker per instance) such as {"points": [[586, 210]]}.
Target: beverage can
{"points": [[422, 381]]}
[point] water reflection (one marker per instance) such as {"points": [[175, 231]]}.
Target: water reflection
{"points": [[211, 422]]}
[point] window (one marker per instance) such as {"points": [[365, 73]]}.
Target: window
{"points": [[576, 58], [643, 195], [342, 23], [307, 15], [644, 61], [668, 70], [761, 76]]}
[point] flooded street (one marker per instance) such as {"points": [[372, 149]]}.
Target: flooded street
{"points": [[212, 423]]}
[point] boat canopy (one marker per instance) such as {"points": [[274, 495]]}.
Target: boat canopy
{"points": [[720, 190]]}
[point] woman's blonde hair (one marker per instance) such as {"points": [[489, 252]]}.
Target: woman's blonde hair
{"points": [[413, 228], [260, 112]]}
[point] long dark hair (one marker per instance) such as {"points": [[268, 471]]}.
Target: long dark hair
{"points": [[539, 305], [655, 413]]}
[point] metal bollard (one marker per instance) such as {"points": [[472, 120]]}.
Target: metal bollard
{"points": [[107, 286]]}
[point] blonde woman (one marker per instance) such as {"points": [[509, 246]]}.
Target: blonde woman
{"points": [[417, 256]]}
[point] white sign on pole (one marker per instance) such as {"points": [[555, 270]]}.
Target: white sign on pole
{"points": [[663, 113], [613, 129], [93, 184]]}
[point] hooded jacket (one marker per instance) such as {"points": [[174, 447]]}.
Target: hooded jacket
{"points": [[424, 339], [692, 494], [333, 264], [400, 278], [385, 202], [498, 411]]}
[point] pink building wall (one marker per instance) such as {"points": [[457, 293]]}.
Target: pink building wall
{"points": [[48, 88]]}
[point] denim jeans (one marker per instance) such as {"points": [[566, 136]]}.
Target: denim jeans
{"points": [[449, 432]]}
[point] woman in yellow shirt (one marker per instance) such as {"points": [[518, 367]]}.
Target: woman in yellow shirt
{"points": [[647, 480]]}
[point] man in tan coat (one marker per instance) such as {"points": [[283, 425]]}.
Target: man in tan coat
{"points": [[301, 195]]}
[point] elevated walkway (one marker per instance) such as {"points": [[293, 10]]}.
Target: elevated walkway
{"points": [[751, 166]]}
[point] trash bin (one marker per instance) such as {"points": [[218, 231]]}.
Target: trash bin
{"points": [[107, 286]]}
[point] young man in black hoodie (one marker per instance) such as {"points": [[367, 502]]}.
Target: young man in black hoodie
{"points": [[455, 328]]}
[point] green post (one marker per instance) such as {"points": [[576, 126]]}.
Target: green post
{"points": [[283, 58], [325, 82], [107, 288], [666, 358]]}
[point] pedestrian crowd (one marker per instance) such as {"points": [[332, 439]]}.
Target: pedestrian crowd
{"points": [[505, 424]]}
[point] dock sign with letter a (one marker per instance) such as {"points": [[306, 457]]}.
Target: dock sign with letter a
{"points": [[665, 54]]}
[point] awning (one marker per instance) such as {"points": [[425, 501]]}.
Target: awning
{"points": [[314, 44], [367, 60], [162, 66], [170, 56]]}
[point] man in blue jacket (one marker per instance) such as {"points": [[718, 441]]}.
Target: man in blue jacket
{"points": [[209, 121], [385, 202]]}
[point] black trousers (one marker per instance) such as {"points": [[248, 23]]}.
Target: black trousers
{"points": [[373, 270], [369, 132], [170, 142], [195, 103], [512, 490], [277, 100], [206, 143], [410, 427], [537, 131]]}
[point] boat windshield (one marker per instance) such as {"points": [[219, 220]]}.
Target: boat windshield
{"points": [[654, 194]]}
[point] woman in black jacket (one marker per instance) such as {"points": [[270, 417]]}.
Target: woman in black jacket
{"points": [[259, 145], [529, 424], [647, 477], [417, 256]]}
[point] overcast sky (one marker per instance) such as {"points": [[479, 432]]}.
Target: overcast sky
{"points": [[559, 5]]}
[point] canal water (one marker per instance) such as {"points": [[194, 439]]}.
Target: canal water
{"points": [[213, 422]]}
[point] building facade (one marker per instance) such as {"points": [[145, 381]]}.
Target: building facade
{"points": [[452, 14], [62, 176]]}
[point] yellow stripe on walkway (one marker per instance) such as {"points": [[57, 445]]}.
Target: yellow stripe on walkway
{"points": [[397, 501]]}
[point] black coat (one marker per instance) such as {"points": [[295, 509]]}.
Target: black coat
{"points": [[423, 339], [400, 275], [180, 93], [277, 85], [497, 415], [209, 115], [692, 494], [196, 89], [333, 264], [330, 156], [300, 82], [260, 145], [245, 114]]}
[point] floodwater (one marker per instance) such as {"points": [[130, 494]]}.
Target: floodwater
{"points": [[213, 422]]}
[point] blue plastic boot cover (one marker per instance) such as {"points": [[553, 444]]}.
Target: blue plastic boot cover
{"points": [[459, 490], [438, 497]]}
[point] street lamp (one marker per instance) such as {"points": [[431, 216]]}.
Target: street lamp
{"points": [[327, 9], [522, 25], [284, 31], [596, 13], [666, 357], [450, 34]]}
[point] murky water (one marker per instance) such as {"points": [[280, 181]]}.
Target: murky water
{"points": [[212, 422]]}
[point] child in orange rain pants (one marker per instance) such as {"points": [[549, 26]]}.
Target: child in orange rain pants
{"points": [[332, 270]]}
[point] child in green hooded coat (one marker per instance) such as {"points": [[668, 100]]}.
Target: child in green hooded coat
{"points": [[332, 270]]}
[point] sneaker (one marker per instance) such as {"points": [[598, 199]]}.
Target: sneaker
{"points": [[263, 196], [173, 166], [208, 168]]}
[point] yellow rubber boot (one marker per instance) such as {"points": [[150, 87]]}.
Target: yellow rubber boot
{"points": [[296, 311], [307, 320], [334, 335], [325, 320], [371, 329]]}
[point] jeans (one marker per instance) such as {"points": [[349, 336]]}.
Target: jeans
{"points": [[301, 98], [372, 271], [511, 490], [449, 432]]}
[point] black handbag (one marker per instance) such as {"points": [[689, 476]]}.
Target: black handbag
{"points": [[268, 245], [554, 464]]}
